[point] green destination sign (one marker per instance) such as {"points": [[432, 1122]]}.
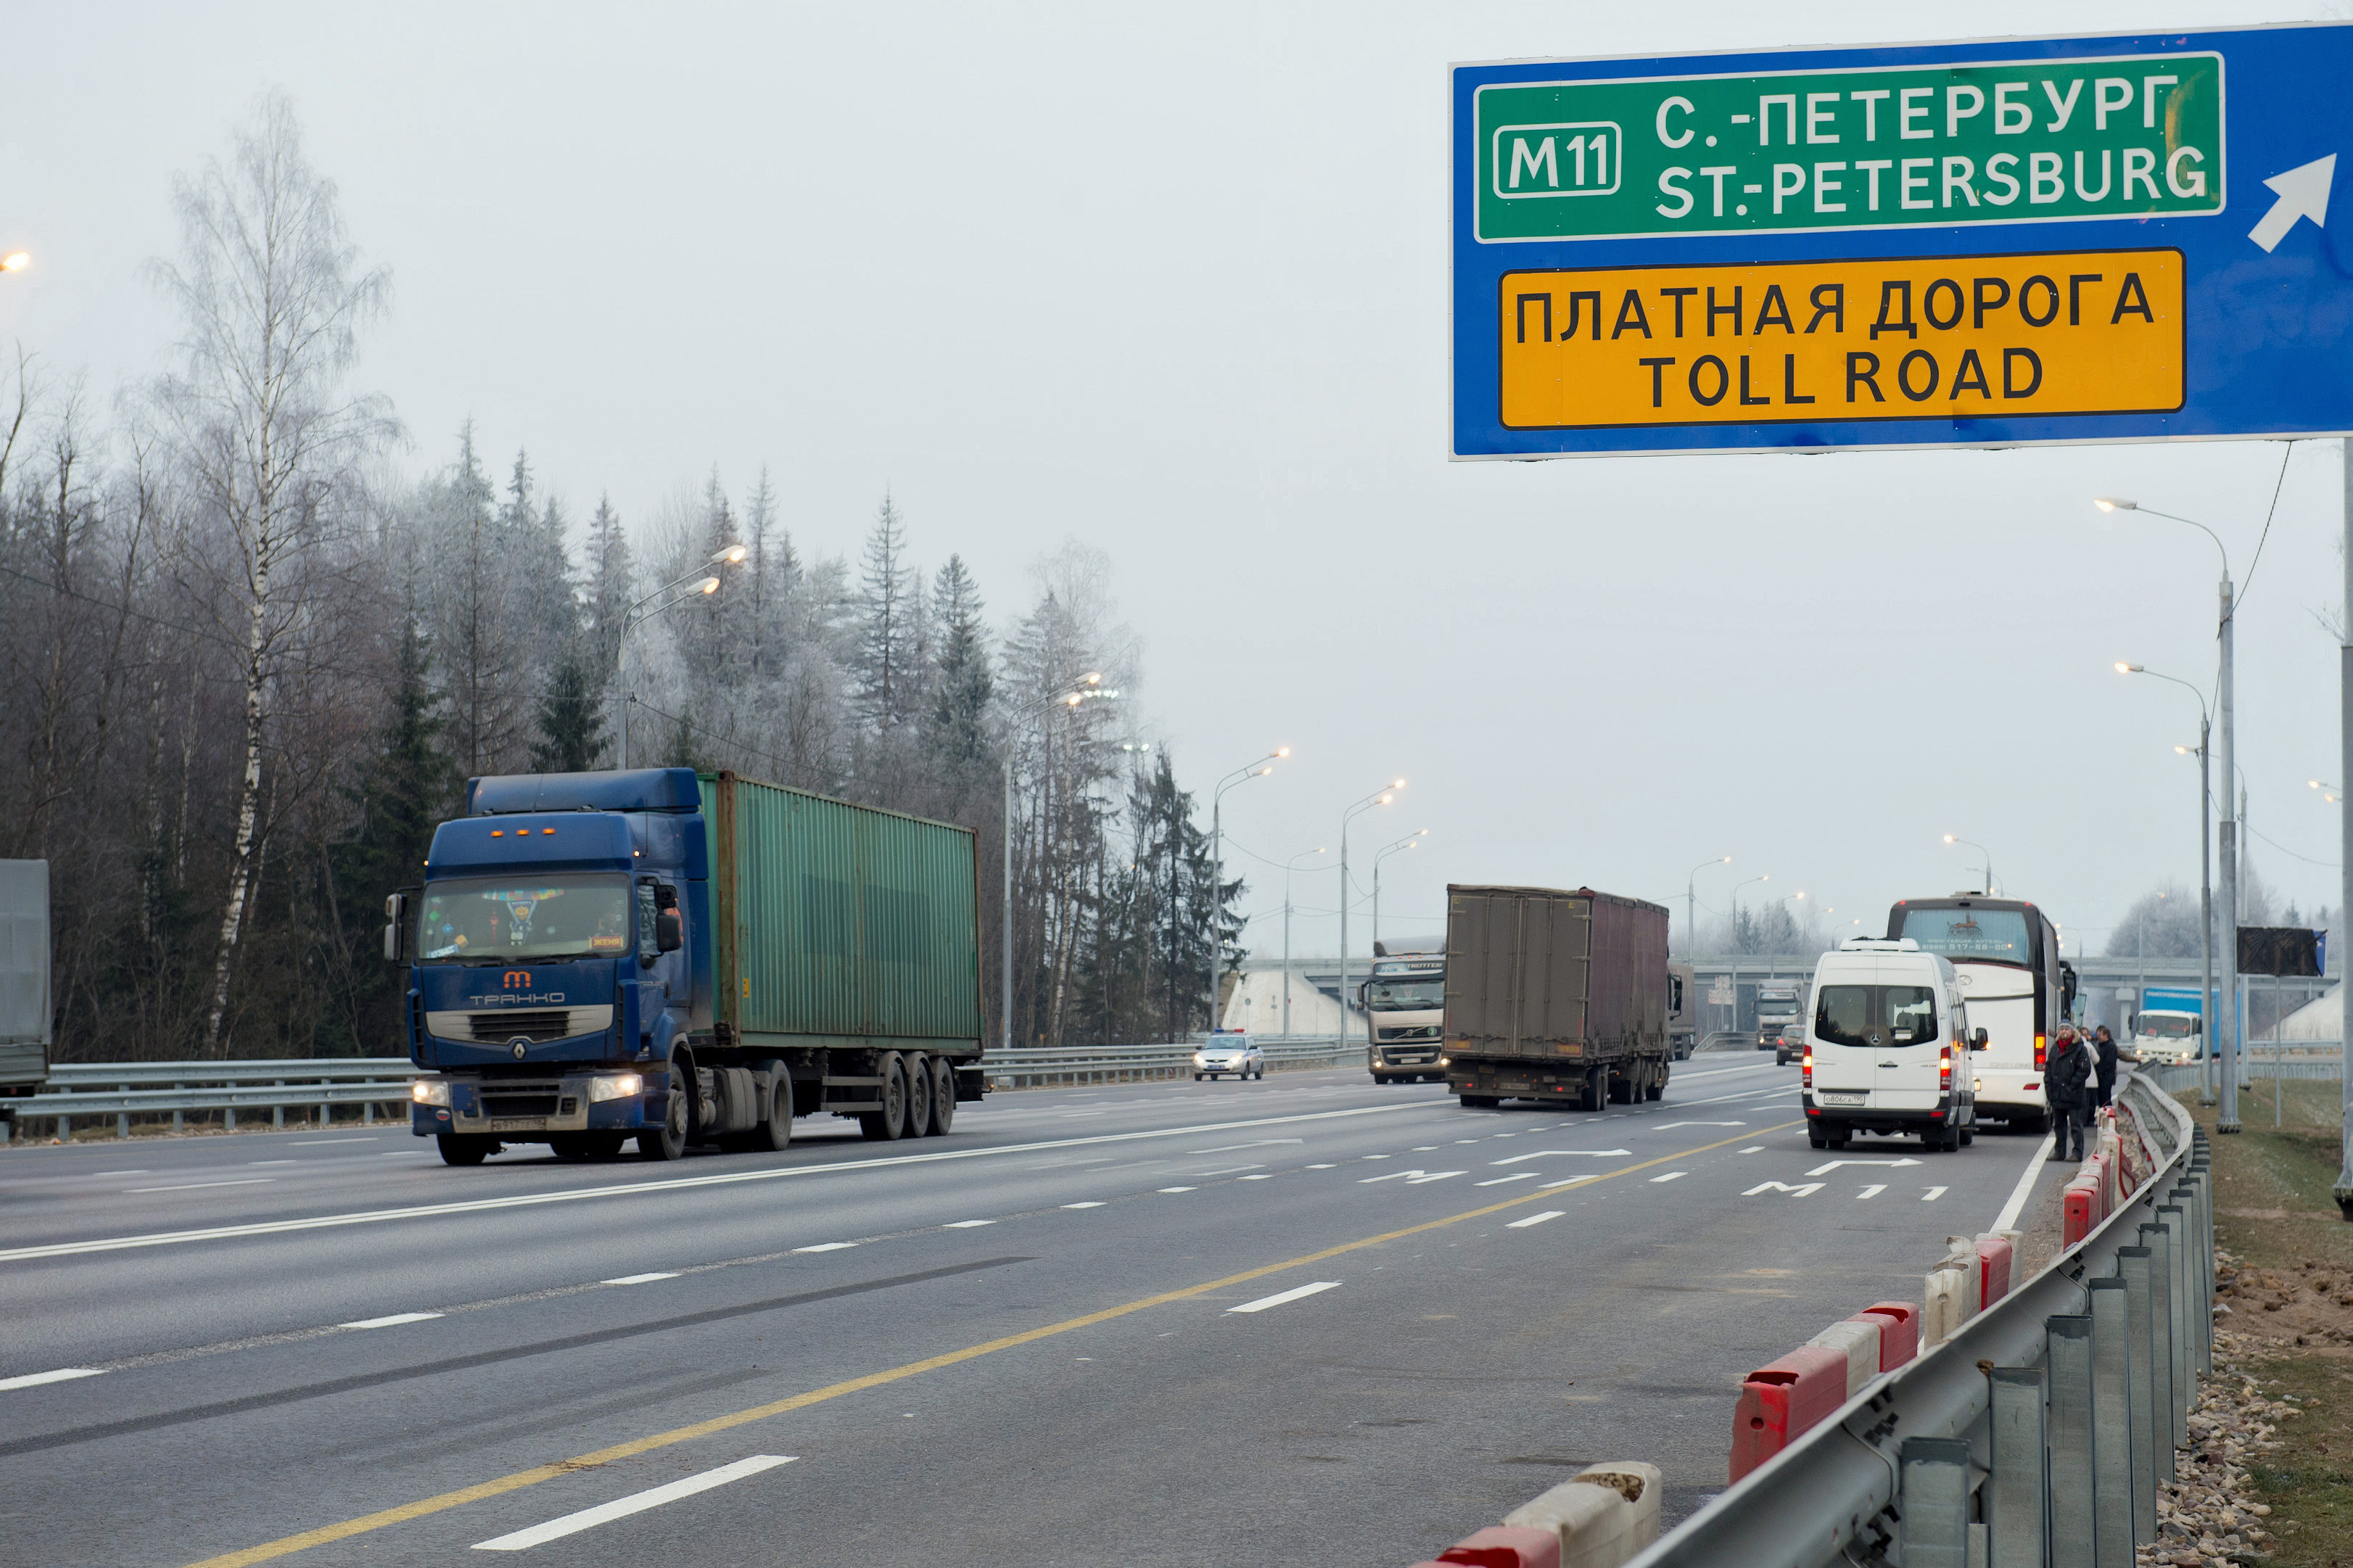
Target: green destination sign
{"points": [[1882, 147]]}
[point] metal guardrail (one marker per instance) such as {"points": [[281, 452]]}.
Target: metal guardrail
{"points": [[1041, 1067], [1943, 1462], [79, 1090]]}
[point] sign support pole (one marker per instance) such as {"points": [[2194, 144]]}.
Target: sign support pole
{"points": [[2227, 1117], [2344, 932]]}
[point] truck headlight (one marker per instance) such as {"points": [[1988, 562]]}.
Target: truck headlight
{"points": [[429, 1092], [618, 1086], [1443, 1062]]}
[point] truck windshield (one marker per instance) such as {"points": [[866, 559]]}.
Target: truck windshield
{"points": [[1416, 994], [2166, 1026], [1996, 934], [496, 919]]}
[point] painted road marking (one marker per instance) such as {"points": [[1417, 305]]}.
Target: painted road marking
{"points": [[636, 1502], [1546, 1153], [1869, 1193], [1514, 1176], [2008, 1218], [1268, 1177], [1671, 1126], [1670, 1176], [827, 1246], [1834, 1164], [1088, 1205], [1412, 1178], [255, 1165], [1535, 1219], [670, 1185], [1229, 1170], [1933, 1194], [321, 1142], [1258, 1144], [396, 1320], [1323, 1167], [966, 1224], [1176, 1189], [1280, 1297], [1754, 1149], [1592, 1176], [1806, 1191], [63, 1375], [345, 1530], [192, 1186], [638, 1279]]}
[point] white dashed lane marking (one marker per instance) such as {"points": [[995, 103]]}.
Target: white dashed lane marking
{"points": [[1281, 1297]]}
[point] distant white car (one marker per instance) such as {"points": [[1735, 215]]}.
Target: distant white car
{"points": [[1224, 1054]]}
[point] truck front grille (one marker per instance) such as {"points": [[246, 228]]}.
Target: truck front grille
{"points": [[531, 1023], [539, 1099], [552, 1025]]}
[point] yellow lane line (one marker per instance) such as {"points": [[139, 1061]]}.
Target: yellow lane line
{"points": [[287, 1545]]}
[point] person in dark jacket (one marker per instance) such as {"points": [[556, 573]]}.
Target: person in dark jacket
{"points": [[2106, 1054], [2067, 1074]]}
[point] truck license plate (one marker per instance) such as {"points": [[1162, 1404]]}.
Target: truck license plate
{"points": [[1839, 1098], [519, 1124]]}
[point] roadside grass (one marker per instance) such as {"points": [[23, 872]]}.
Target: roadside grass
{"points": [[2290, 1293]]}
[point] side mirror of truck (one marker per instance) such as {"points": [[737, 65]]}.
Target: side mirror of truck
{"points": [[395, 930], [1980, 1041], [668, 937]]}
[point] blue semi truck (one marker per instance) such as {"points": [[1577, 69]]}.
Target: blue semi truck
{"points": [[680, 958]]}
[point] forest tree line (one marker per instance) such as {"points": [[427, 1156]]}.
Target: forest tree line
{"points": [[250, 662]]}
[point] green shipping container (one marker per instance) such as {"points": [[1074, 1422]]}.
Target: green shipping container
{"points": [[839, 925]]}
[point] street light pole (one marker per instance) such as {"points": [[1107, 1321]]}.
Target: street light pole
{"points": [[1294, 860], [2345, 827], [1257, 770], [2205, 873], [1691, 908], [1988, 861], [1409, 841], [732, 555], [1088, 685], [1379, 797]]}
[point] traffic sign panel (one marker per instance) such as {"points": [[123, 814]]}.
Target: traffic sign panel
{"points": [[1990, 243]]}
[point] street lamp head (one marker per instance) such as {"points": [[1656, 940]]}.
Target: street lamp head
{"points": [[731, 556], [1263, 772], [1951, 840], [2115, 504], [2180, 751], [1283, 751], [2124, 668], [1091, 678], [708, 586], [16, 261], [1385, 800]]}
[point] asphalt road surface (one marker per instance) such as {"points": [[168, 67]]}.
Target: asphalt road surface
{"points": [[1307, 1319]]}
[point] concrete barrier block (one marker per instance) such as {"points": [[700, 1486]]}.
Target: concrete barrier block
{"points": [[1950, 1301], [1505, 1546], [1994, 1253], [2081, 1200], [1858, 1340], [1782, 1401], [1603, 1516], [1899, 1332]]}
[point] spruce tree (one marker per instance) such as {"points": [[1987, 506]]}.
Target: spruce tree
{"points": [[571, 719]]}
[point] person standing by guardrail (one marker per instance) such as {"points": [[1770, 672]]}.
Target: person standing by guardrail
{"points": [[2108, 1054], [2067, 1073]]}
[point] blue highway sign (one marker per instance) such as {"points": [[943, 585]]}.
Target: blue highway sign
{"points": [[1994, 244]]}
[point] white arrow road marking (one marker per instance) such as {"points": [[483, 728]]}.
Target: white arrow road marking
{"points": [[1808, 1190], [1933, 1194], [1671, 1126], [2303, 192], [1514, 1176], [1281, 1297], [636, 1502], [1535, 1219], [1869, 1191], [1542, 1154], [1412, 1178], [1834, 1164]]}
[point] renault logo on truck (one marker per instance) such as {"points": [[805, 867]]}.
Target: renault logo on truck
{"points": [[518, 980]]}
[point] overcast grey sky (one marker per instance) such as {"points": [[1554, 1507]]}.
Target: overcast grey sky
{"points": [[1173, 281]]}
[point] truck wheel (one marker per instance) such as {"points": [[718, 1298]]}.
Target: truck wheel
{"points": [[465, 1148], [1658, 1084], [668, 1142], [775, 1133], [918, 1069], [943, 1100], [889, 1123], [569, 1145], [1594, 1092]]}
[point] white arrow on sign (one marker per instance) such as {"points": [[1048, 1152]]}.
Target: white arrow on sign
{"points": [[2303, 192], [1834, 1164]]}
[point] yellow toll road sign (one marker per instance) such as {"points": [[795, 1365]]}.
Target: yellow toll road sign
{"points": [[2079, 331]]}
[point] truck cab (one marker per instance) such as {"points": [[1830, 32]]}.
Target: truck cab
{"points": [[1405, 1017]]}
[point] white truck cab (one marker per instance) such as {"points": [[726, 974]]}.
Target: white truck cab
{"points": [[1887, 1047]]}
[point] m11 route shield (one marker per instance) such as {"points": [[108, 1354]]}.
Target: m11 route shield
{"points": [[1999, 244]]}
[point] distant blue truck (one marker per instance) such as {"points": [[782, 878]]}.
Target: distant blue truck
{"points": [[2170, 1025], [681, 958]]}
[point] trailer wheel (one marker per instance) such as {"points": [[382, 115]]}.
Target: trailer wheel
{"points": [[889, 1123], [918, 1069], [464, 1148], [942, 1096], [1658, 1084]]}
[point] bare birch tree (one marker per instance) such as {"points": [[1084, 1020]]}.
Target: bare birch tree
{"points": [[271, 299]]}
